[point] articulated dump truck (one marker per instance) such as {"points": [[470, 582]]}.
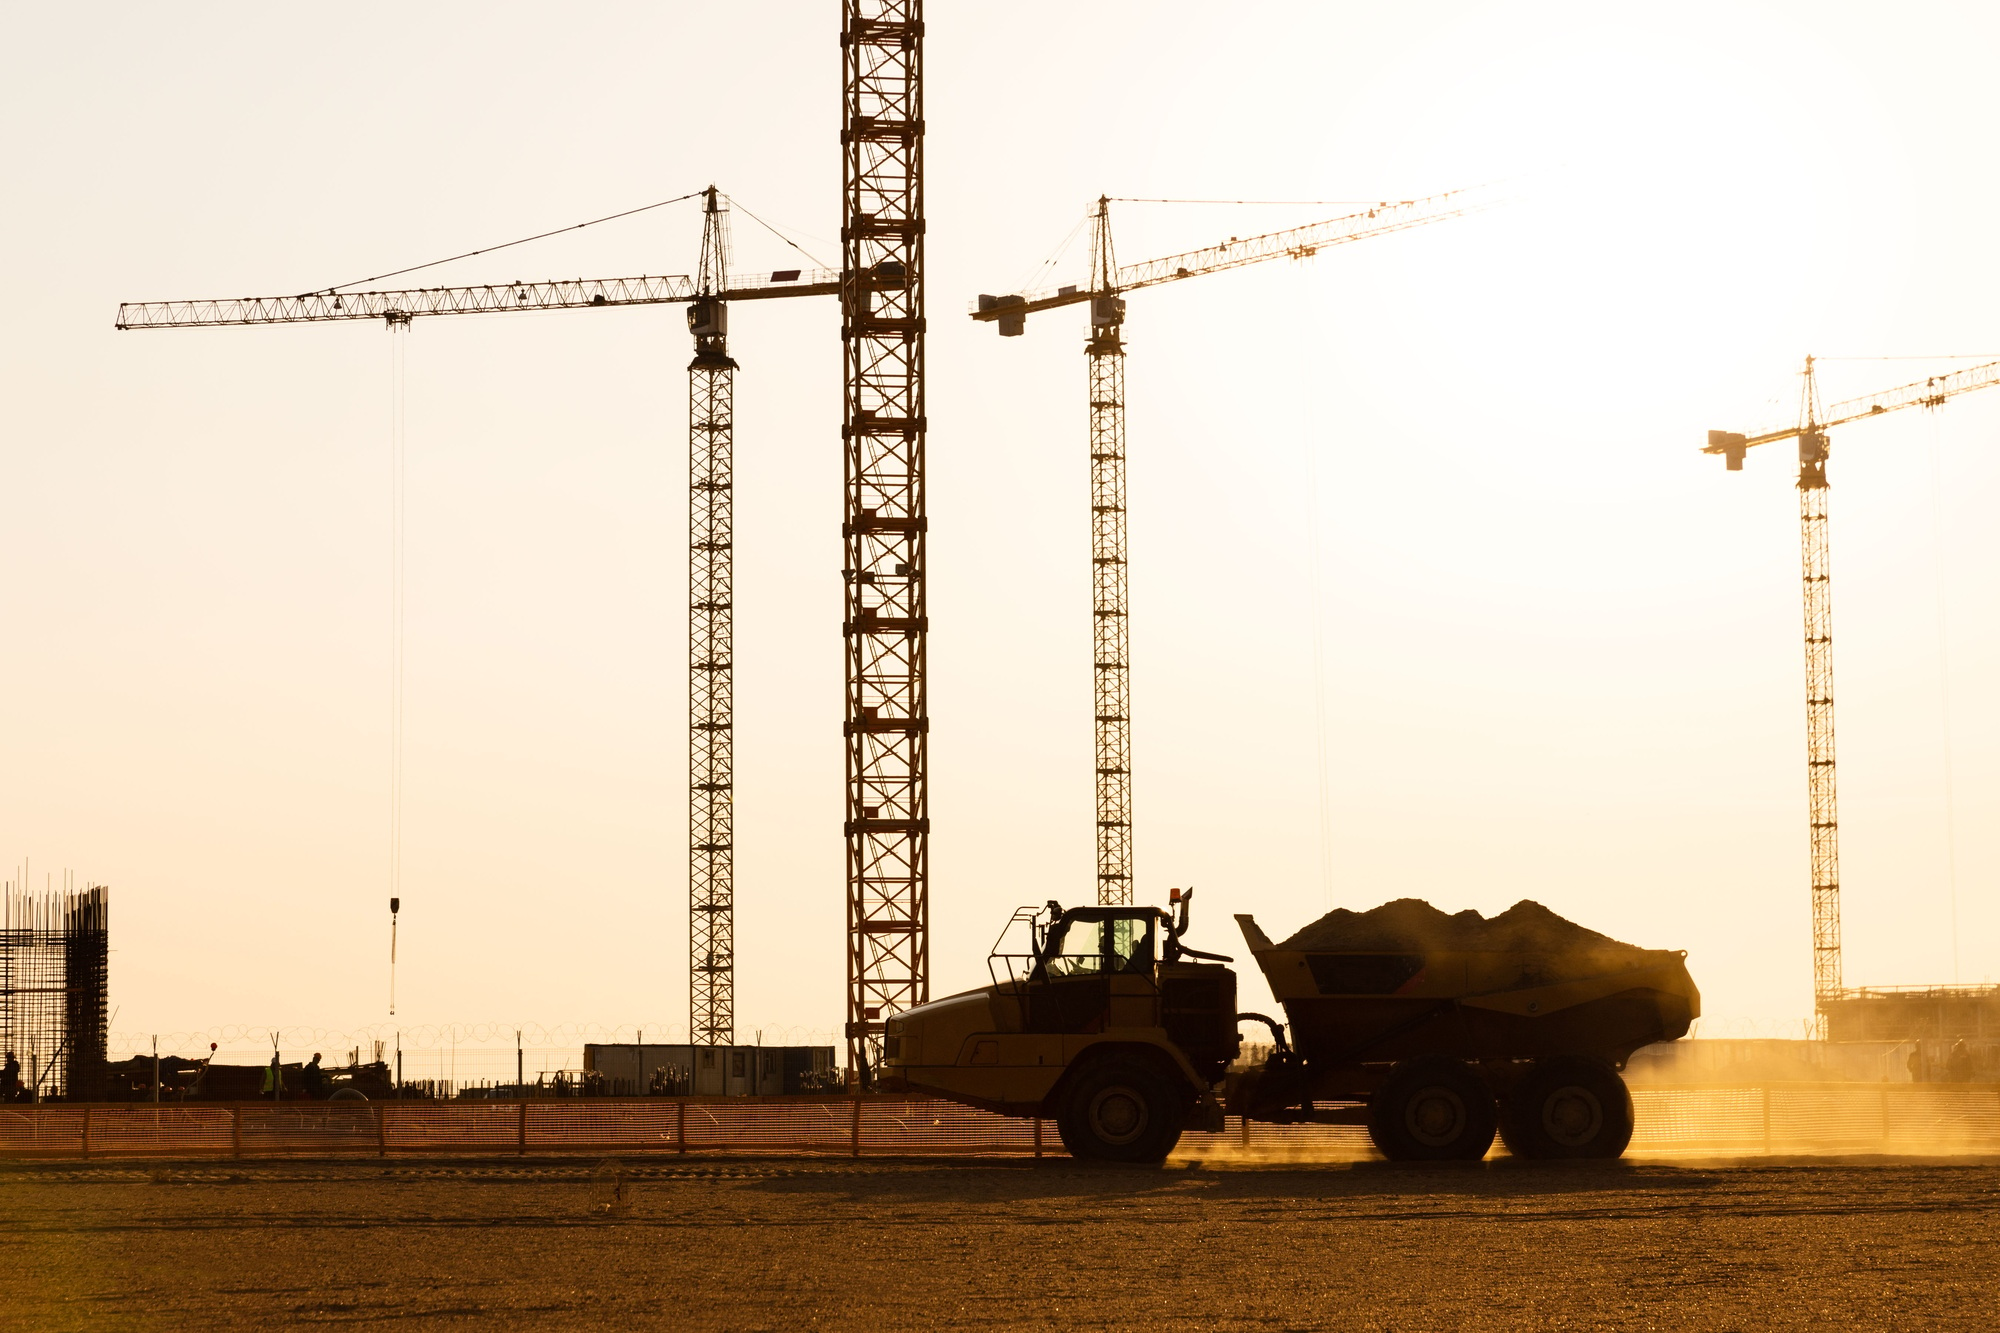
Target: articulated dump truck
{"points": [[1433, 1030]]}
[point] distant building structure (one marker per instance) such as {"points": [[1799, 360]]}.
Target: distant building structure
{"points": [[632, 1070], [55, 952], [1913, 1013]]}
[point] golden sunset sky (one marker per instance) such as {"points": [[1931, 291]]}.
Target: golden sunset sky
{"points": [[1561, 647]]}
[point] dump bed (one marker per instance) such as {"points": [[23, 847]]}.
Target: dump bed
{"points": [[1370, 994]]}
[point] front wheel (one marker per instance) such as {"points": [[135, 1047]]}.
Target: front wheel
{"points": [[1121, 1110], [1568, 1108], [1432, 1109]]}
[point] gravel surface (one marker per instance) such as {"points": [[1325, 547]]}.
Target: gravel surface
{"points": [[795, 1243]]}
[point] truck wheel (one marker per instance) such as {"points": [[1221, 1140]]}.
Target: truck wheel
{"points": [[1121, 1110], [1432, 1109], [1568, 1108]]}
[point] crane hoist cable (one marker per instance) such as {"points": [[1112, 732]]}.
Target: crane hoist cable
{"points": [[398, 559], [1944, 686]]}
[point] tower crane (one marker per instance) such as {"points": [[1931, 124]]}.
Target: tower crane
{"points": [[1105, 293], [711, 646], [711, 380], [1823, 822]]}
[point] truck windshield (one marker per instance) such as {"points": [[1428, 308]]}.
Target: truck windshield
{"points": [[1124, 944]]}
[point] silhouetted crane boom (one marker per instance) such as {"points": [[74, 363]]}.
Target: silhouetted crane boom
{"points": [[491, 298], [1921, 393], [1295, 243], [1930, 392]]}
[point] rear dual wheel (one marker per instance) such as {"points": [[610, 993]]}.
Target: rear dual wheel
{"points": [[1432, 1109], [1569, 1108]]}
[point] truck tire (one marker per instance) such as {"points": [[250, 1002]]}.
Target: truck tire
{"points": [[1568, 1108], [1121, 1110], [1432, 1109]]}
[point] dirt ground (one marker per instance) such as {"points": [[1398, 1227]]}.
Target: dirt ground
{"points": [[744, 1244]]}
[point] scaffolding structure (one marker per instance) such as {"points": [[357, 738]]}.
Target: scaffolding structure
{"points": [[55, 950]]}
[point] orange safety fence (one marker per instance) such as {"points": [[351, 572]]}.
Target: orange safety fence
{"points": [[1672, 1122]]}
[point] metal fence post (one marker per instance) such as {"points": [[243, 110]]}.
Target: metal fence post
{"points": [[86, 1133], [1038, 1136], [1885, 1117], [521, 1131], [681, 1125], [854, 1128], [236, 1130], [1767, 1119], [381, 1131]]}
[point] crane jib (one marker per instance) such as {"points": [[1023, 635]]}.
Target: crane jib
{"points": [[1931, 392], [1295, 243], [493, 298]]}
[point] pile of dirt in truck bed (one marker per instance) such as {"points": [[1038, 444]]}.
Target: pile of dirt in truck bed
{"points": [[1414, 925]]}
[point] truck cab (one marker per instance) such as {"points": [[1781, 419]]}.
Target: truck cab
{"points": [[1097, 1017]]}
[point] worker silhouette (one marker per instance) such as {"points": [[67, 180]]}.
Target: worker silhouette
{"points": [[10, 1079], [1958, 1063], [314, 1079], [274, 1078]]}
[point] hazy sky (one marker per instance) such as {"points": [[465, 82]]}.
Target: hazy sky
{"points": [[1561, 647]]}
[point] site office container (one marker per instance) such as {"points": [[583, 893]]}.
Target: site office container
{"points": [[711, 1071]]}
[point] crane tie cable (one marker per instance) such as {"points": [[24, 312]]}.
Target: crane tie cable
{"points": [[1285, 203], [737, 204], [541, 236]]}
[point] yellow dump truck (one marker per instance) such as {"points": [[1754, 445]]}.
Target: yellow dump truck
{"points": [[1432, 1030]]}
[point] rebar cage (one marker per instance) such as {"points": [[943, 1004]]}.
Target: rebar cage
{"points": [[54, 954]]}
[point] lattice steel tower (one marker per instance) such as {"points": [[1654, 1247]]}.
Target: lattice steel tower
{"points": [[882, 436], [1110, 633], [1822, 791], [711, 734]]}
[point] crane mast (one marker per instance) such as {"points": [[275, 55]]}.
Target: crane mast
{"points": [[711, 686], [1110, 632], [1822, 789], [886, 623], [1816, 580]]}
